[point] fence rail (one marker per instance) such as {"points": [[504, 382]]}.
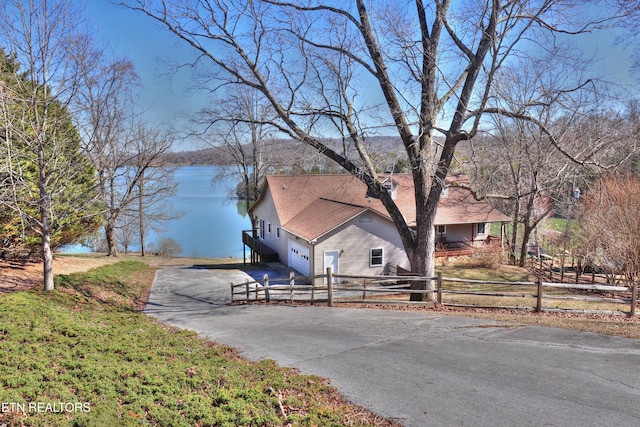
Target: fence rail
{"points": [[354, 289]]}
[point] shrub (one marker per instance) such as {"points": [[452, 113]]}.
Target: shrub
{"points": [[169, 247], [487, 256]]}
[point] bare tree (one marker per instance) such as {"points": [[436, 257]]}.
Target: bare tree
{"points": [[155, 186], [238, 125], [149, 209], [40, 140], [610, 225], [424, 70], [519, 159], [123, 149]]}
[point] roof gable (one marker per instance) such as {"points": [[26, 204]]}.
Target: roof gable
{"points": [[320, 217]]}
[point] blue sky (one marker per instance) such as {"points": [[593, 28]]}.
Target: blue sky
{"points": [[134, 36], [146, 45]]}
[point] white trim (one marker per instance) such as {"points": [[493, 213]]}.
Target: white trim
{"points": [[371, 264], [484, 229]]}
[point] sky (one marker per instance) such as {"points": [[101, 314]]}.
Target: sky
{"points": [[167, 100], [136, 37]]}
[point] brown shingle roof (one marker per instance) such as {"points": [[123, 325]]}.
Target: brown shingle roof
{"points": [[311, 205], [320, 217]]}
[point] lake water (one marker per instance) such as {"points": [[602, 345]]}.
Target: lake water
{"points": [[212, 223]]}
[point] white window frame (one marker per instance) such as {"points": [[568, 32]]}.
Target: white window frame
{"points": [[261, 229], [278, 232], [269, 227], [444, 229], [484, 229], [371, 257]]}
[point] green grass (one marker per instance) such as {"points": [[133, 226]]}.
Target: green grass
{"points": [[87, 345], [560, 225]]}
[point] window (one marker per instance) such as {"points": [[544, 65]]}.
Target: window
{"points": [[262, 229], [376, 257], [278, 232], [269, 228], [442, 229], [365, 217], [481, 228]]}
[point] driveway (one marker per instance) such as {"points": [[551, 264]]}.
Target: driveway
{"points": [[423, 369]]}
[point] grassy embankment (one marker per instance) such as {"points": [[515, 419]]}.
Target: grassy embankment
{"points": [[85, 355]]}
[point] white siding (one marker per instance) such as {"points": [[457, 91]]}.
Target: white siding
{"points": [[354, 241], [266, 210]]}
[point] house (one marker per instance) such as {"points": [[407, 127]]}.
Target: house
{"points": [[315, 221]]}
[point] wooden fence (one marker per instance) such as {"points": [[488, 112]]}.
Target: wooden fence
{"points": [[570, 267], [396, 290]]}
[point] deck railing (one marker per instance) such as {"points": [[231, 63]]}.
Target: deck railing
{"points": [[259, 252]]}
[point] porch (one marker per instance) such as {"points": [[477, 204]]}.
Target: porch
{"points": [[465, 247], [259, 252]]}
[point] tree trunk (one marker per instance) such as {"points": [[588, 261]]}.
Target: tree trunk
{"points": [[141, 216], [422, 253], [47, 259], [44, 206], [246, 190], [110, 234], [423, 264], [514, 235], [525, 240]]}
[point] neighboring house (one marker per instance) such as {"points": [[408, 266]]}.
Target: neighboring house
{"points": [[315, 221]]}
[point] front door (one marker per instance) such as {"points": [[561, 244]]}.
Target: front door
{"points": [[331, 260]]}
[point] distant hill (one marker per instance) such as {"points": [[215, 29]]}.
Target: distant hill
{"points": [[206, 156], [289, 149]]}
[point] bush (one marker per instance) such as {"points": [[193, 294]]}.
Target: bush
{"points": [[169, 247], [486, 256]]}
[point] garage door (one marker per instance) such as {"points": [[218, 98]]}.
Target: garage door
{"points": [[299, 258]]}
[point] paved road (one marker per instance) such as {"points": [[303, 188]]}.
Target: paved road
{"points": [[423, 369]]}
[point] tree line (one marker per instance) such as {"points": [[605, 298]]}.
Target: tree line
{"points": [[76, 155]]}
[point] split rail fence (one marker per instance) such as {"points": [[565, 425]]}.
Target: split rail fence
{"points": [[340, 288]]}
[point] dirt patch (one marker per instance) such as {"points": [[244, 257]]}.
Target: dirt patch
{"points": [[24, 275]]}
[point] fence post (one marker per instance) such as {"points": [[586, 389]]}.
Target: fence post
{"points": [[539, 296], [634, 297], [232, 292], [439, 287], [364, 289], [292, 284], [329, 287], [265, 278], [246, 285], [313, 291]]}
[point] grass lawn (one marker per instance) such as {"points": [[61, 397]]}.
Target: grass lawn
{"points": [[85, 355]]}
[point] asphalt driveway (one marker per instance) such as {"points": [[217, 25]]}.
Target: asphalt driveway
{"points": [[423, 369]]}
